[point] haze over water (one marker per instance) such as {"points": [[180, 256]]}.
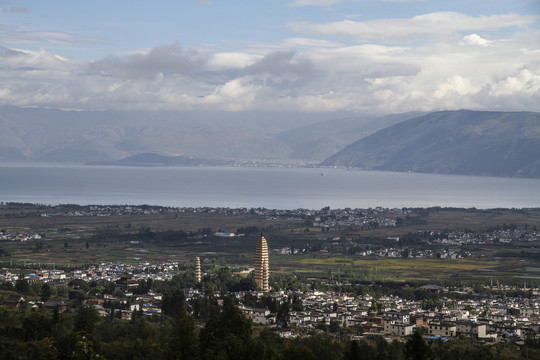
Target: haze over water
{"points": [[277, 188]]}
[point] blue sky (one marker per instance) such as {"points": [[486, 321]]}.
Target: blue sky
{"points": [[297, 55]]}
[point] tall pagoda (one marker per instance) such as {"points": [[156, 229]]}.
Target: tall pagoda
{"points": [[198, 269], [261, 264]]}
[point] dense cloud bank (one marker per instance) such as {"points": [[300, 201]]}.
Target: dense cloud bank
{"points": [[443, 60]]}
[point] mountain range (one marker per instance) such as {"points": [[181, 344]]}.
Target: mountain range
{"points": [[452, 142], [449, 142], [52, 135]]}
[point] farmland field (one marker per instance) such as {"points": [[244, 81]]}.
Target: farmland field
{"points": [[75, 241], [372, 269]]}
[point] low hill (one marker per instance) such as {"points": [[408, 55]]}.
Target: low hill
{"points": [[452, 142]]}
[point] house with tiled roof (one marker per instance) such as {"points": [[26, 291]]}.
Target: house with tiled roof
{"points": [[55, 303], [14, 301]]}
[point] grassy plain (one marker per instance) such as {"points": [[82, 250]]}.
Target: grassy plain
{"points": [[371, 268], [405, 264]]}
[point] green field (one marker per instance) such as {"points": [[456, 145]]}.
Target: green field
{"points": [[374, 269], [404, 264]]}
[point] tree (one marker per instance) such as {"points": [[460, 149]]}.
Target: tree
{"points": [[322, 347], [183, 343], [224, 278], [204, 307], [112, 309], [282, 315], [296, 352], [360, 350], [416, 348], [297, 303], [56, 315], [85, 319], [22, 286], [245, 284], [84, 349], [206, 231], [173, 300], [227, 336], [36, 326], [353, 352], [395, 350], [272, 339], [334, 326], [45, 292], [79, 284], [46, 349]]}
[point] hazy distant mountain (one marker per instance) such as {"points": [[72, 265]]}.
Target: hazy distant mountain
{"points": [[84, 136], [461, 142], [51, 135], [452, 142], [149, 159], [320, 140]]}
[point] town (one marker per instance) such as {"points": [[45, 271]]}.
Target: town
{"points": [[347, 276], [456, 310]]}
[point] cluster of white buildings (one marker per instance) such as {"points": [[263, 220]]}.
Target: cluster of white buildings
{"points": [[19, 236], [102, 210], [487, 319], [490, 319], [458, 238], [105, 271]]}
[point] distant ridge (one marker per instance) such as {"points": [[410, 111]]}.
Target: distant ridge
{"points": [[320, 140], [53, 135], [452, 142], [150, 159], [449, 142]]}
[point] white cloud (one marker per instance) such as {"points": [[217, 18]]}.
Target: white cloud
{"points": [[475, 39], [524, 83], [281, 63], [305, 42], [463, 65], [172, 59], [14, 36], [417, 28], [33, 61], [230, 60], [457, 85]]}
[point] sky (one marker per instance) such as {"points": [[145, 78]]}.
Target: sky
{"points": [[370, 56]]}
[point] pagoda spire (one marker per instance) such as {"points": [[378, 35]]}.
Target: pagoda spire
{"points": [[261, 264], [198, 269]]}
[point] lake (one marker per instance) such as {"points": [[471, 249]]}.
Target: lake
{"points": [[269, 187]]}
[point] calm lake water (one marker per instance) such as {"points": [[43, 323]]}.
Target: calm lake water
{"points": [[277, 188]]}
